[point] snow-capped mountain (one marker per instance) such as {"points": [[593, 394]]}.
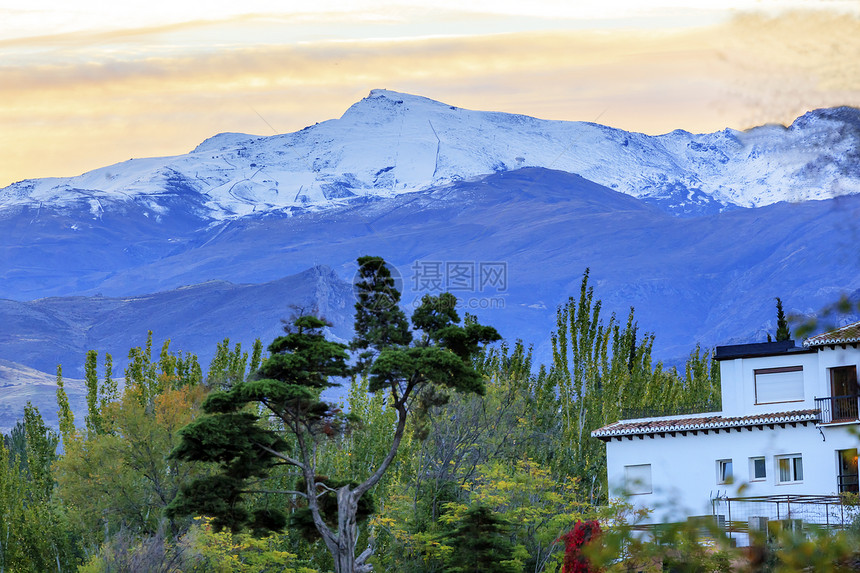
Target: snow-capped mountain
{"points": [[665, 223], [392, 143]]}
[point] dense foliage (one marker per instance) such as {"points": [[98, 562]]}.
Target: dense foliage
{"points": [[247, 448], [247, 468]]}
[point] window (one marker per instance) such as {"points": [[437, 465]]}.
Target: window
{"points": [[774, 385], [638, 479], [758, 469], [847, 476], [724, 471], [789, 469]]}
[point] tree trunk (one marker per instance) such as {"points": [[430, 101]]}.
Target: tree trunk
{"points": [[347, 531]]}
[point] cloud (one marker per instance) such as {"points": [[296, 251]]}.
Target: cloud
{"points": [[68, 111], [782, 66]]}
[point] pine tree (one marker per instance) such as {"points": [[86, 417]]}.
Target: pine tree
{"points": [[288, 387], [482, 544]]}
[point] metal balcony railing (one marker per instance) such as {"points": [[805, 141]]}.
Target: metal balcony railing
{"points": [[838, 408], [848, 483]]}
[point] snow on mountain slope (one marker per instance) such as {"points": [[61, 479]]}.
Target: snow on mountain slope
{"points": [[391, 143]]}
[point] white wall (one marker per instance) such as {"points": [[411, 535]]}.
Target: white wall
{"points": [[830, 358], [738, 379], [738, 383], [684, 468]]}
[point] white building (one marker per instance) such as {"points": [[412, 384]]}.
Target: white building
{"points": [[787, 434]]}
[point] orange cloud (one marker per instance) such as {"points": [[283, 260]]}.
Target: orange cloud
{"points": [[76, 113]]}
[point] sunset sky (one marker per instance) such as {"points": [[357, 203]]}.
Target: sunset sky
{"points": [[84, 84]]}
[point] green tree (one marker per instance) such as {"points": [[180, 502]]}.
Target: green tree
{"points": [[228, 366], [122, 480], [140, 372], [65, 416], [93, 419], [597, 368], [538, 506], [288, 387], [701, 387], [782, 331], [115, 473], [109, 390], [35, 535], [481, 544], [41, 451], [256, 355]]}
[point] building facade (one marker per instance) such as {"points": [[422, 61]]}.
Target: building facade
{"points": [[788, 430]]}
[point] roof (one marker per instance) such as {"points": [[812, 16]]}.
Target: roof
{"points": [[850, 333], [647, 426], [756, 349]]}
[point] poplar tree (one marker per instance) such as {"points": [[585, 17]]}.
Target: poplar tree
{"points": [[600, 368], [93, 418], [65, 416], [109, 390]]}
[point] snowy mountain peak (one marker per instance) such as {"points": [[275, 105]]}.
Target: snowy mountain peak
{"points": [[400, 98], [840, 115], [223, 141], [391, 143], [386, 105]]}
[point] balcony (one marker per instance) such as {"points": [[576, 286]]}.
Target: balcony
{"points": [[838, 409], [848, 482]]}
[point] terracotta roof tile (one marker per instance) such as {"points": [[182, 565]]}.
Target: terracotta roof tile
{"points": [[704, 422], [848, 333]]}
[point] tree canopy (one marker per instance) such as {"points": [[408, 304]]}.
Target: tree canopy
{"points": [[277, 419]]}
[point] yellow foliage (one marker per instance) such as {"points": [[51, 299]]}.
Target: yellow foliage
{"points": [[224, 552]]}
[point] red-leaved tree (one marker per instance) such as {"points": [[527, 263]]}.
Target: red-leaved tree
{"points": [[583, 533]]}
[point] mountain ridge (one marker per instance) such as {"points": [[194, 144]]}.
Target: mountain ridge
{"points": [[59, 330], [391, 143], [546, 226]]}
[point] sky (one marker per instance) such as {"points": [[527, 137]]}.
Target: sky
{"points": [[86, 83]]}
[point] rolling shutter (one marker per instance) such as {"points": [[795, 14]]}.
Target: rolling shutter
{"points": [[779, 385]]}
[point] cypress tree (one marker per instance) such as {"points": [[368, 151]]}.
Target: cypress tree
{"points": [[782, 331]]}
